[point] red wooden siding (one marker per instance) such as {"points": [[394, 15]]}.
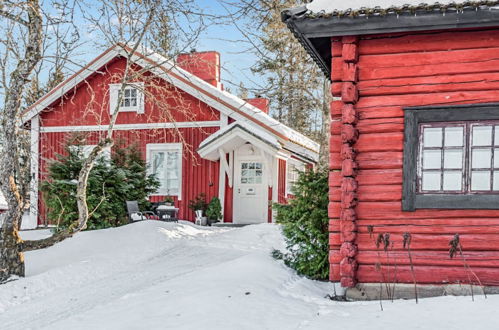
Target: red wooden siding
{"points": [[88, 104], [281, 182], [417, 69], [198, 175]]}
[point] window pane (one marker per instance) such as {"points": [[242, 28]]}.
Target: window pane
{"points": [[126, 103], [496, 181], [496, 136], [244, 165], [133, 102], [480, 180], [133, 93], [432, 159], [482, 135], [453, 158], [127, 92], [453, 136], [432, 137], [481, 158], [496, 158], [431, 180], [452, 180]]}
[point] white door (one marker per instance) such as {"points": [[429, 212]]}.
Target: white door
{"points": [[250, 191]]}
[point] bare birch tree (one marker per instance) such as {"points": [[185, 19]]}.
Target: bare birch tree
{"points": [[127, 23]]}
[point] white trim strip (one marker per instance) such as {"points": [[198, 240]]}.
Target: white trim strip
{"points": [[125, 127]]}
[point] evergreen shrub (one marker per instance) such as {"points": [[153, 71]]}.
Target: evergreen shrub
{"points": [[304, 223], [110, 184]]}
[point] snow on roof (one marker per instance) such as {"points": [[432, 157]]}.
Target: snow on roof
{"points": [[143, 55], [341, 7]]}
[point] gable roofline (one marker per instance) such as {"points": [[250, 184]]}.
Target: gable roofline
{"points": [[315, 29], [223, 101]]}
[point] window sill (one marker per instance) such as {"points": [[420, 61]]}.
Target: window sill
{"points": [[457, 202]]}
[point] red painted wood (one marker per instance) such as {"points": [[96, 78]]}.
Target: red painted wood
{"points": [[281, 184], [430, 41], [198, 175], [396, 71]]}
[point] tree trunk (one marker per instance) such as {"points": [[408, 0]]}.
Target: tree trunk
{"points": [[12, 260]]}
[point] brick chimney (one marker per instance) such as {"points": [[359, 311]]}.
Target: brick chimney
{"points": [[204, 65], [259, 102]]}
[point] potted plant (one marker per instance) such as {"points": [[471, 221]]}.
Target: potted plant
{"points": [[199, 205], [214, 211], [168, 201]]}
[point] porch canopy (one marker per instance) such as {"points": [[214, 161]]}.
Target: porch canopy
{"points": [[235, 135]]}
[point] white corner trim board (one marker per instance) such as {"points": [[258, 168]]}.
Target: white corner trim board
{"points": [[124, 127]]}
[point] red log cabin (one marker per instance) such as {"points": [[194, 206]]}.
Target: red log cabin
{"points": [[210, 141], [414, 139]]}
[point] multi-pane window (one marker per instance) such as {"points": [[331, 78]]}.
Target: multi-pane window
{"points": [[459, 157], [129, 98], [132, 99], [251, 172], [165, 162], [292, 174]]}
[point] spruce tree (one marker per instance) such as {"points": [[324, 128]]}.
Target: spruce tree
{"points": [[305, 226]]}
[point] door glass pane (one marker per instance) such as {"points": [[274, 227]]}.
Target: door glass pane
{"points": [[432, 137], [481, 158], [496, 157], [496, 136], [453, 158], [251, 173], [431, 180], [480, 180], [432, 159], [452, 180], [482, 135], [453, 136]]}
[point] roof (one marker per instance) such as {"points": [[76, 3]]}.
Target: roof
{"points": [[223, 101], [318, 21], [383, 7]]}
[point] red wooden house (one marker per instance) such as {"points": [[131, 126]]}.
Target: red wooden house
{"points": [[209, 141], [414, 148]]}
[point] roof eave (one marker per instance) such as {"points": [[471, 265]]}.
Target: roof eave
{"points": [[309, 29]]}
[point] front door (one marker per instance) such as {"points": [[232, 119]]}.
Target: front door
{"points": [[250, 191]]}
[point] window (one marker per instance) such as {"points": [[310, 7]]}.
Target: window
{"points": [[451, 157], [132, 100], [165, 161], [251, 172], [293, 170]]}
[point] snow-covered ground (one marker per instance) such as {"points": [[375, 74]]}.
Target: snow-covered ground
{"points": [[154, 275]]}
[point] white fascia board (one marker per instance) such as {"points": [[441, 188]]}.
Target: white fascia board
{"points": [[67, 85], [207, 149], [229, 98], [124, 127]]}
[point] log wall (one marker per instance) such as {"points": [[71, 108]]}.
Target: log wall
{"points": [[394, 71]]}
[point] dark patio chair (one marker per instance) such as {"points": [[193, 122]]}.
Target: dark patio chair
{"points": [[134, 213]]}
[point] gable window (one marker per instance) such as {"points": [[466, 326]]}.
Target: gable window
{"points": [[165, 161], [132, 99], [293, 170], [451, 157]]}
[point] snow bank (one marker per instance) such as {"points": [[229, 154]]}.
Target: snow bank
{"points": [[154, 275]]}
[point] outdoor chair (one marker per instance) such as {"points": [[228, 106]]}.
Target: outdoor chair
{"points": [[134, 213]]}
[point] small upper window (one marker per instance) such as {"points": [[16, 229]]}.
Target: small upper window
{"points": [[292, 175], [132, 99]]}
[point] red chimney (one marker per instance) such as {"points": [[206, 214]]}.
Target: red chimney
{"points": [[260, 103], [204, 65]]}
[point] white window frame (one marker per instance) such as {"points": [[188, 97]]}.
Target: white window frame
{"points": [[150, 147], [113, 98], [298, 166]]}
